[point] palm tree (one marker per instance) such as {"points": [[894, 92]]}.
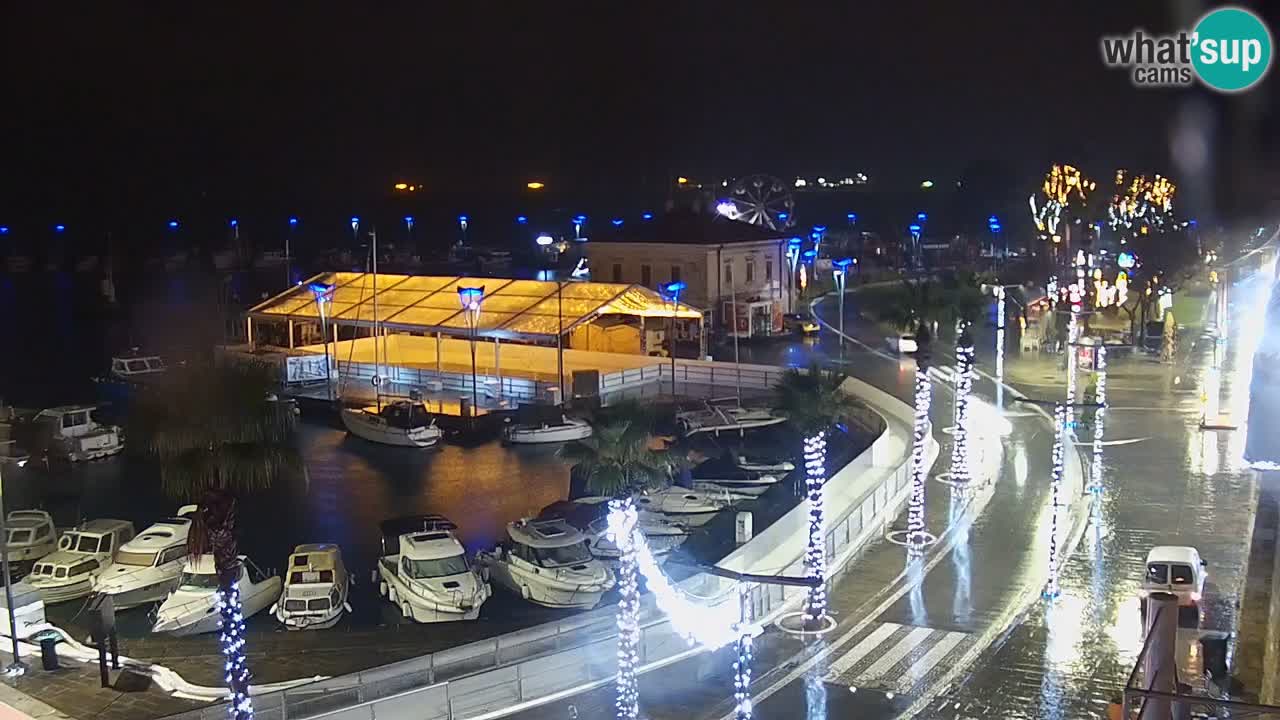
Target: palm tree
{"points": [[813, 402], [619, 458], [217, 432]]}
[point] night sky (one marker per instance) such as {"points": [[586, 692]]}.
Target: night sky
{"points": [[126, 113]]}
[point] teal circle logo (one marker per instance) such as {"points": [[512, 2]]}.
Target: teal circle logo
{"points": [[1231, 49]]}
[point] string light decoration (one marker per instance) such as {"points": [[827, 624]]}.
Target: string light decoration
{"points": [[916, 533], [1073, 334], [628, 689], [231, 640], [959, 473], [1000, 320], [1141, 203], [815, 554], [742, 664], [1099, 420], [1051, 589], [1063, 185]]}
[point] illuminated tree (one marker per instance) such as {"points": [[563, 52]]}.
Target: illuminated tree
{"points": [[218, 432], [1141, 205], [1062, 197], [813, 402]]}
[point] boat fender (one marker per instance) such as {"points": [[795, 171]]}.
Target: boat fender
{"points": [[274, 606], [347, 606], [382, 589], [524, 591], [393, 596]]}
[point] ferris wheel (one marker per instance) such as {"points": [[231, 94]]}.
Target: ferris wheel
{"points": [[761, 200]]}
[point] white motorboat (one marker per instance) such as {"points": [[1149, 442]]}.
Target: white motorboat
{"points": [[691, 507], [82, 555], [547, 562], [192, 608], [403, 423], [316, 588], [736, 492], [147, 567], [424, 571], [75, 433], [591, 517], [544, 424], [717, 417], [31, 535], [764, 466]]}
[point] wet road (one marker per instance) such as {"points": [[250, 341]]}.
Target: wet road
{"points": [[964, 631]]}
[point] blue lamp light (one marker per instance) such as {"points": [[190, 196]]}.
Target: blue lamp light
{"points": [[617, 222], [851, 217], [4, 229], [914, 228], [993, 220], [995, 227], [522, 220], [470, 298], [794, 242], [355, 223], [408, 222], [922, 216], [233, 222], [810, 255], [783, 215], [842, 264], [293, 222], [320, 290], [673, 289], [819, 229], [59, 228], [579, 218], [646, 216]]}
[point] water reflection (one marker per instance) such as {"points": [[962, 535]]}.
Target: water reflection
{"points": [[962, 600]]}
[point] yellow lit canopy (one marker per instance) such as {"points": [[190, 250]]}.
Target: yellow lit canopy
{"points": [[517, 309]]}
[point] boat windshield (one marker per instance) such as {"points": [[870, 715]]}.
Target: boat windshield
{"points": [[198, 581], [561, 556], [88, 544], [19, 537], [136, 559], [440, 567]]}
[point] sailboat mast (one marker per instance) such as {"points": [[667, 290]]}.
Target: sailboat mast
{"points": [[377, 331]]}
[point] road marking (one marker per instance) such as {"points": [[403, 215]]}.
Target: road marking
{"points": [[846, 661], [895, 654], [919, 669]]}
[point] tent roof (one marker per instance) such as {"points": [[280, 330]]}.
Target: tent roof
{"points": [[519, 309]]}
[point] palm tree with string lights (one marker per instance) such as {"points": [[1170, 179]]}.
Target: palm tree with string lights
{"points": [[218, 433], [814, 403], [621, 457]]}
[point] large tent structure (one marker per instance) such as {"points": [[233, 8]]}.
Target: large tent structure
{"points": [[522, 310]]}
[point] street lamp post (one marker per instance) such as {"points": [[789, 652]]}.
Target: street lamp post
{"points": [[462, 223], [840, 269], [993, 224], [355, 228], [915, 231], [819, 232], [470, 299], [16, 667], [671, 293], [793, 259], [322, 293]]}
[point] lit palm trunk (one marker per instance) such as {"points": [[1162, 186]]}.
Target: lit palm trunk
{"points": [[916, 534], [623, 516], [815, 556], [960, 471]]}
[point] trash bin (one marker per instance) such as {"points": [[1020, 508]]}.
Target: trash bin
{"points": [[49, 653]]}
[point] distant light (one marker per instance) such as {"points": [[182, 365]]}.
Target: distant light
{"points": [[234, 222], [922, 217], [819, 228], [1126, 260], [402, 186], [995, 227], [544, 240], [852, 217], [926, 184], [173, 224], [535, 185], [794, 242], [579, 218], [646, 216], [293, 221], [59, 228], [914, 228], [726, 208], [521, 219], [783, 215], [810, 254], [4, 229], [617, 222], [674, 288], [682, 180], [996, 221], [319, 289], [408, 220], [463, 218], [355, 223]]}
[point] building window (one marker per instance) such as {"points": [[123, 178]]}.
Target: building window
{"points": [[768, 271], [751, 271], [617, 272], [646, 275], [675, 273], [728, 274]]}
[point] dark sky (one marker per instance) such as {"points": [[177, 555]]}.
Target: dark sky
{"points": [[116, 110]]}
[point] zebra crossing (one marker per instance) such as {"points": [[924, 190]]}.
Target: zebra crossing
{"points": [[894, 658]]}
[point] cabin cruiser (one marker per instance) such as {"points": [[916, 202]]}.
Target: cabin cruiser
{"points": [[547, 562], [544, 424], [127, 373], [719, 475], [147, 567], [691, 507], [316, 588], [405, 423], [591, 517], [718, 416], [424, 571], [82, 555], [31, 535], [74, 433], [192, 608]]}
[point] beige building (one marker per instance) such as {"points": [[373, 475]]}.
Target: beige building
{"points": [[723, 263]]}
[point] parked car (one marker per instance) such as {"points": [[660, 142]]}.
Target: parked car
{"points": [[1177, 570], [903, 343], [800, 324]]}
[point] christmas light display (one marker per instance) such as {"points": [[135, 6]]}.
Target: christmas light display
{"points": [[959, 473], [1059, 422], [232, 641], [742, 664], [916, 533], [1000, 348], [1062, 185], [1073, 334], [628, 689], [1140, 203], [815, 554], [1099, 420]]}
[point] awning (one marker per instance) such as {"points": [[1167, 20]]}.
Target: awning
{"points": [[518, 309]]}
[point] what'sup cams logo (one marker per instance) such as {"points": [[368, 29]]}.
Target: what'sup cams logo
{"points": [[1229, 50]]}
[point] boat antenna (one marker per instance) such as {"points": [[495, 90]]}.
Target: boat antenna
{"points": [[377, 363]]}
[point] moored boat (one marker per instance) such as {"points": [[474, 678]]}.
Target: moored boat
{"points": [[316, 588], [146, 568], [82, 555], [544, 424], [425, 572], [192, 608], [403, 423], [548, 563]]}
